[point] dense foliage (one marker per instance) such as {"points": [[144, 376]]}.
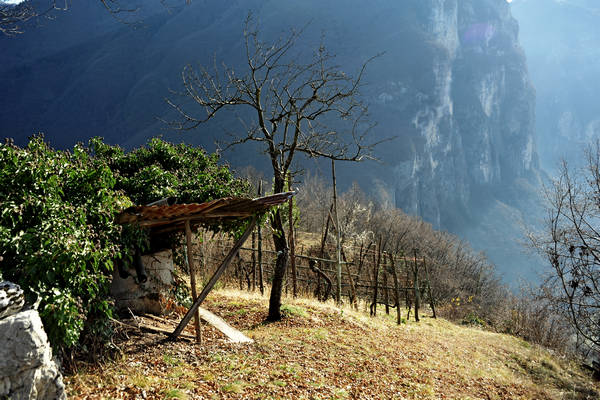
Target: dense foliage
{"points": [[163, 169], [58, 236]]}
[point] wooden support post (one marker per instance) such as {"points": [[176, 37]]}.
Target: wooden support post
{"points": [[431, 300], [191, 266], [353, 298], [253, 256], [291, 239], [338, 291], [417, 290], [322, 252], [259, 246], [213, 280]]}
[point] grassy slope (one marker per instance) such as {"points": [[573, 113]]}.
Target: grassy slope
{"points": [[318, 352]]}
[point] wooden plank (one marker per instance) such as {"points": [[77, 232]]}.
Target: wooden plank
{"points": [[232, 334], [213, 280]]}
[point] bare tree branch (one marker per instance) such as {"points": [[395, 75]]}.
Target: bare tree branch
{"points": [[13, 17], [571, 244]]}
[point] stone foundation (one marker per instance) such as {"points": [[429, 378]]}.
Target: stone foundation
{"points": [[145, 297]]}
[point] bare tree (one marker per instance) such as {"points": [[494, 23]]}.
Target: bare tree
{"points": [[14, 16], [571, 244], [294, 100]]}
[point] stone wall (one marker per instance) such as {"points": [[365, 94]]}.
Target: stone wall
{"points": [[145, 297]]}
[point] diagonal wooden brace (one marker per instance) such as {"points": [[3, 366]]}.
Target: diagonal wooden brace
{"points": [[213, 280]]}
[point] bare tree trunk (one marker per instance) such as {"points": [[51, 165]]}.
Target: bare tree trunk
{"points": [[338, 291], [396, 288], [240, 270], [281, 248], [362, 257], [313, 266], [431, 300], [376, 261], [406, 291], [417, 291], [386, 294], [322, 251]]}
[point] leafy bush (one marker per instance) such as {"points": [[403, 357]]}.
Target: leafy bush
{"points": [[58, 236], [163, 169], [57, 233]]}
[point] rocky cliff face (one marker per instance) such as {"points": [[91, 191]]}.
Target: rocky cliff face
{"points": [[452, 87], [475, 129]]}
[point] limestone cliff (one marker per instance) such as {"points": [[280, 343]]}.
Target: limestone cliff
{"points": [[475, 128]]}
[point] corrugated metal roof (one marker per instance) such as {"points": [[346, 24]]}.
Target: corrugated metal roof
{"points": [[174, 216]]}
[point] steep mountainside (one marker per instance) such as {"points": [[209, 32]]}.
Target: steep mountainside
{"points": [[452, 87], [561, 39]]}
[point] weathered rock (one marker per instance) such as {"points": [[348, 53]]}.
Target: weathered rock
{"points": [[11, 299], [27, 370]]}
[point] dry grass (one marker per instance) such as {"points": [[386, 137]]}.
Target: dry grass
{"points": [[321, 352]]}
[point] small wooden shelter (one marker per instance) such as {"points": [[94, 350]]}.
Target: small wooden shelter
{"points": [[161, 219]]}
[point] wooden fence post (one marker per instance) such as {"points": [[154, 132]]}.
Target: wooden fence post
{"points": [[253, 255], [353, 297], [259, 245], [417, 290], [338, 291]]}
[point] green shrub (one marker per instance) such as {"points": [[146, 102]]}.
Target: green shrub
{"points": [[473, 319], [162, 169], [58, 236]]}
